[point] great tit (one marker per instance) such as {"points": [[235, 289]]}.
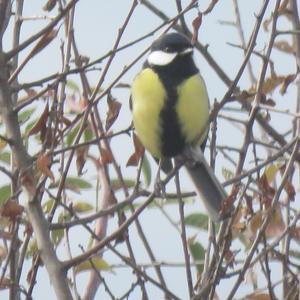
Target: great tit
{"points": [[170, 107]]}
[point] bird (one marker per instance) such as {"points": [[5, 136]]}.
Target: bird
{"points": [[170, 108]]}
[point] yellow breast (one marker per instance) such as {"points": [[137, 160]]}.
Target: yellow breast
{"points": [[148, 96], [193, 109], [148, 99]]}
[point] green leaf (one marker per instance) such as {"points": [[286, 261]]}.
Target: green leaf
{"points": [[116, 183], [32, 248], [82, 207], [72, 134], [29, 126], [5, 157], [95, 262], [47, 206], [295, 254], [87, 134], [5, 193], [227, 174], [198, 253], [197, 220], [25, 115], [72, 85], [57, 235], [146, 169], [74, 183]]}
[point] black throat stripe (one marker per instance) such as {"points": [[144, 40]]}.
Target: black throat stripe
{"points": [[172, 139]]}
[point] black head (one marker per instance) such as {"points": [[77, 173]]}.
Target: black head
{"points": [[169, 46]]}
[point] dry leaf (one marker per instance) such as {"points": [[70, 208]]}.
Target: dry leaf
{"points": [[45, 40], [274, 228], [3, 253], [229, 258], [249, 203], [295, 233], [286, 82], [113, 111], [11, 209], [106, 156], [43, 162], [276, 225], [238, 224], [283, 6], [2, 144], [267, 190], [5, 235], [5, 283], [228, 202], [271, 83], [257, 296], [40, 125], [27, 180], [284, 46], [50, 4], [139, 152], [196, 25], [81, 155]]}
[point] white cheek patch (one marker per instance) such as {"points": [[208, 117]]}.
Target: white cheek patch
{"points": [[160, 58]]}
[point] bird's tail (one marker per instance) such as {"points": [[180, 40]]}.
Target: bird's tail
{"points": [[207, 185]]}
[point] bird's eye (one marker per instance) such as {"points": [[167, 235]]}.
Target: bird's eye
{"points": [[167, 49]]}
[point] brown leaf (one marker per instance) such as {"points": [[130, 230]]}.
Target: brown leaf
{"points": [[276, 225], [249, 203], [27, 180], [66, 121], [3, 144], [196, 25], [283, 6], [43, 162], [138, 153], [271, 83], [238, 224], [290, 190], [11, 209], [45, 40], [49, 5], [255, 223], [257, 296], [288, 187], [113, 111], [274, 228], [3, 253], [81, 155], [229, 258], [267, 190], [106, 156], [295, 233], [286, 82], [284, 46], [5, 283], [268, 101], [40, 125], [266, 24], [5, 235], [228, 202]]}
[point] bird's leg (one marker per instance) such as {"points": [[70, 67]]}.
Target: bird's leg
{"points": [[158, 185]]}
